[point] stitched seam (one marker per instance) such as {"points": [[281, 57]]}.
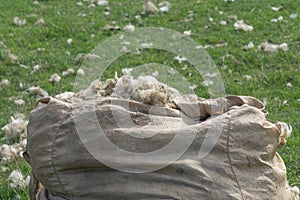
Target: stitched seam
{"points": [[227, 132], [52, 160]]}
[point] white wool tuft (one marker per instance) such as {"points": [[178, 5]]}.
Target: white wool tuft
{"points": [[240, 25], [55, 78], [15, 127], [18, 180], [36, 90]]}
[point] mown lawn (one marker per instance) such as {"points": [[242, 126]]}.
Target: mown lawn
{"points": [[275, 76]]}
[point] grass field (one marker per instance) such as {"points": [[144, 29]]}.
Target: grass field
{"points": [[275, 76]]}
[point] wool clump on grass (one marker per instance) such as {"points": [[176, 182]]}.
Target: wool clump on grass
{"points": [[36, 90], [68, 72], [268, 47], [285, 132], [55, 78], [19, 22], [80, 72], [15, 129], [19, 102], [164, 6], [4, 82], [18, 181], [241, 25], [16, 126]]}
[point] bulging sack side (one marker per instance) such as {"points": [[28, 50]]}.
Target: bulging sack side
{"points": [[242, 164]]}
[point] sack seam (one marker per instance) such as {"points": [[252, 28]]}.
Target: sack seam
{"points": [[52, 160], [228, 119]]}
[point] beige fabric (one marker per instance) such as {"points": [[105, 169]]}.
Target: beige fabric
{"points": [[242, 165]]}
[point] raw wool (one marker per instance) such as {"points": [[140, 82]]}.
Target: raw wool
{"points": [[55, 78], [193, 87], [91, 6], [24, 66], [149, 7], [41, 49], [4, 82], [129, 27], [223, 23], [40, 21], [21, 86], [19, 22], [19, 102], [69, 41], [247, 77], [153, 94], [111, 27], [97, 89], [210, 75], [276, 9], [116, 75], [16, 126], [68, 72], [91, 92], [10, 152], [82, 56], [125, 86], [155, 74], [187, 33], [4, 169], [296, 191], [180, 59], [208, 46], [293, 16], [240, 25], [18, 180], [207, 83], [36, 68], [80, 72], [164, 6], [79, 4], [147, 45], [108, 87], [13, 58], [145, 89], [268, 47], [285, 132], [66, 96], [250, 45], [106, 13], [279, 19], [2, 45], [224, 44], [36, 90], [127, 71], [289, 84], [81, 14], [232, 17], [274, 20], [101, 2]]}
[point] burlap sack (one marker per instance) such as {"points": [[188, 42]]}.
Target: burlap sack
{"points": [[242, 165]]}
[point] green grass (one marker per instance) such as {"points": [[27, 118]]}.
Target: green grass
{"points": [[270, 71]]}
